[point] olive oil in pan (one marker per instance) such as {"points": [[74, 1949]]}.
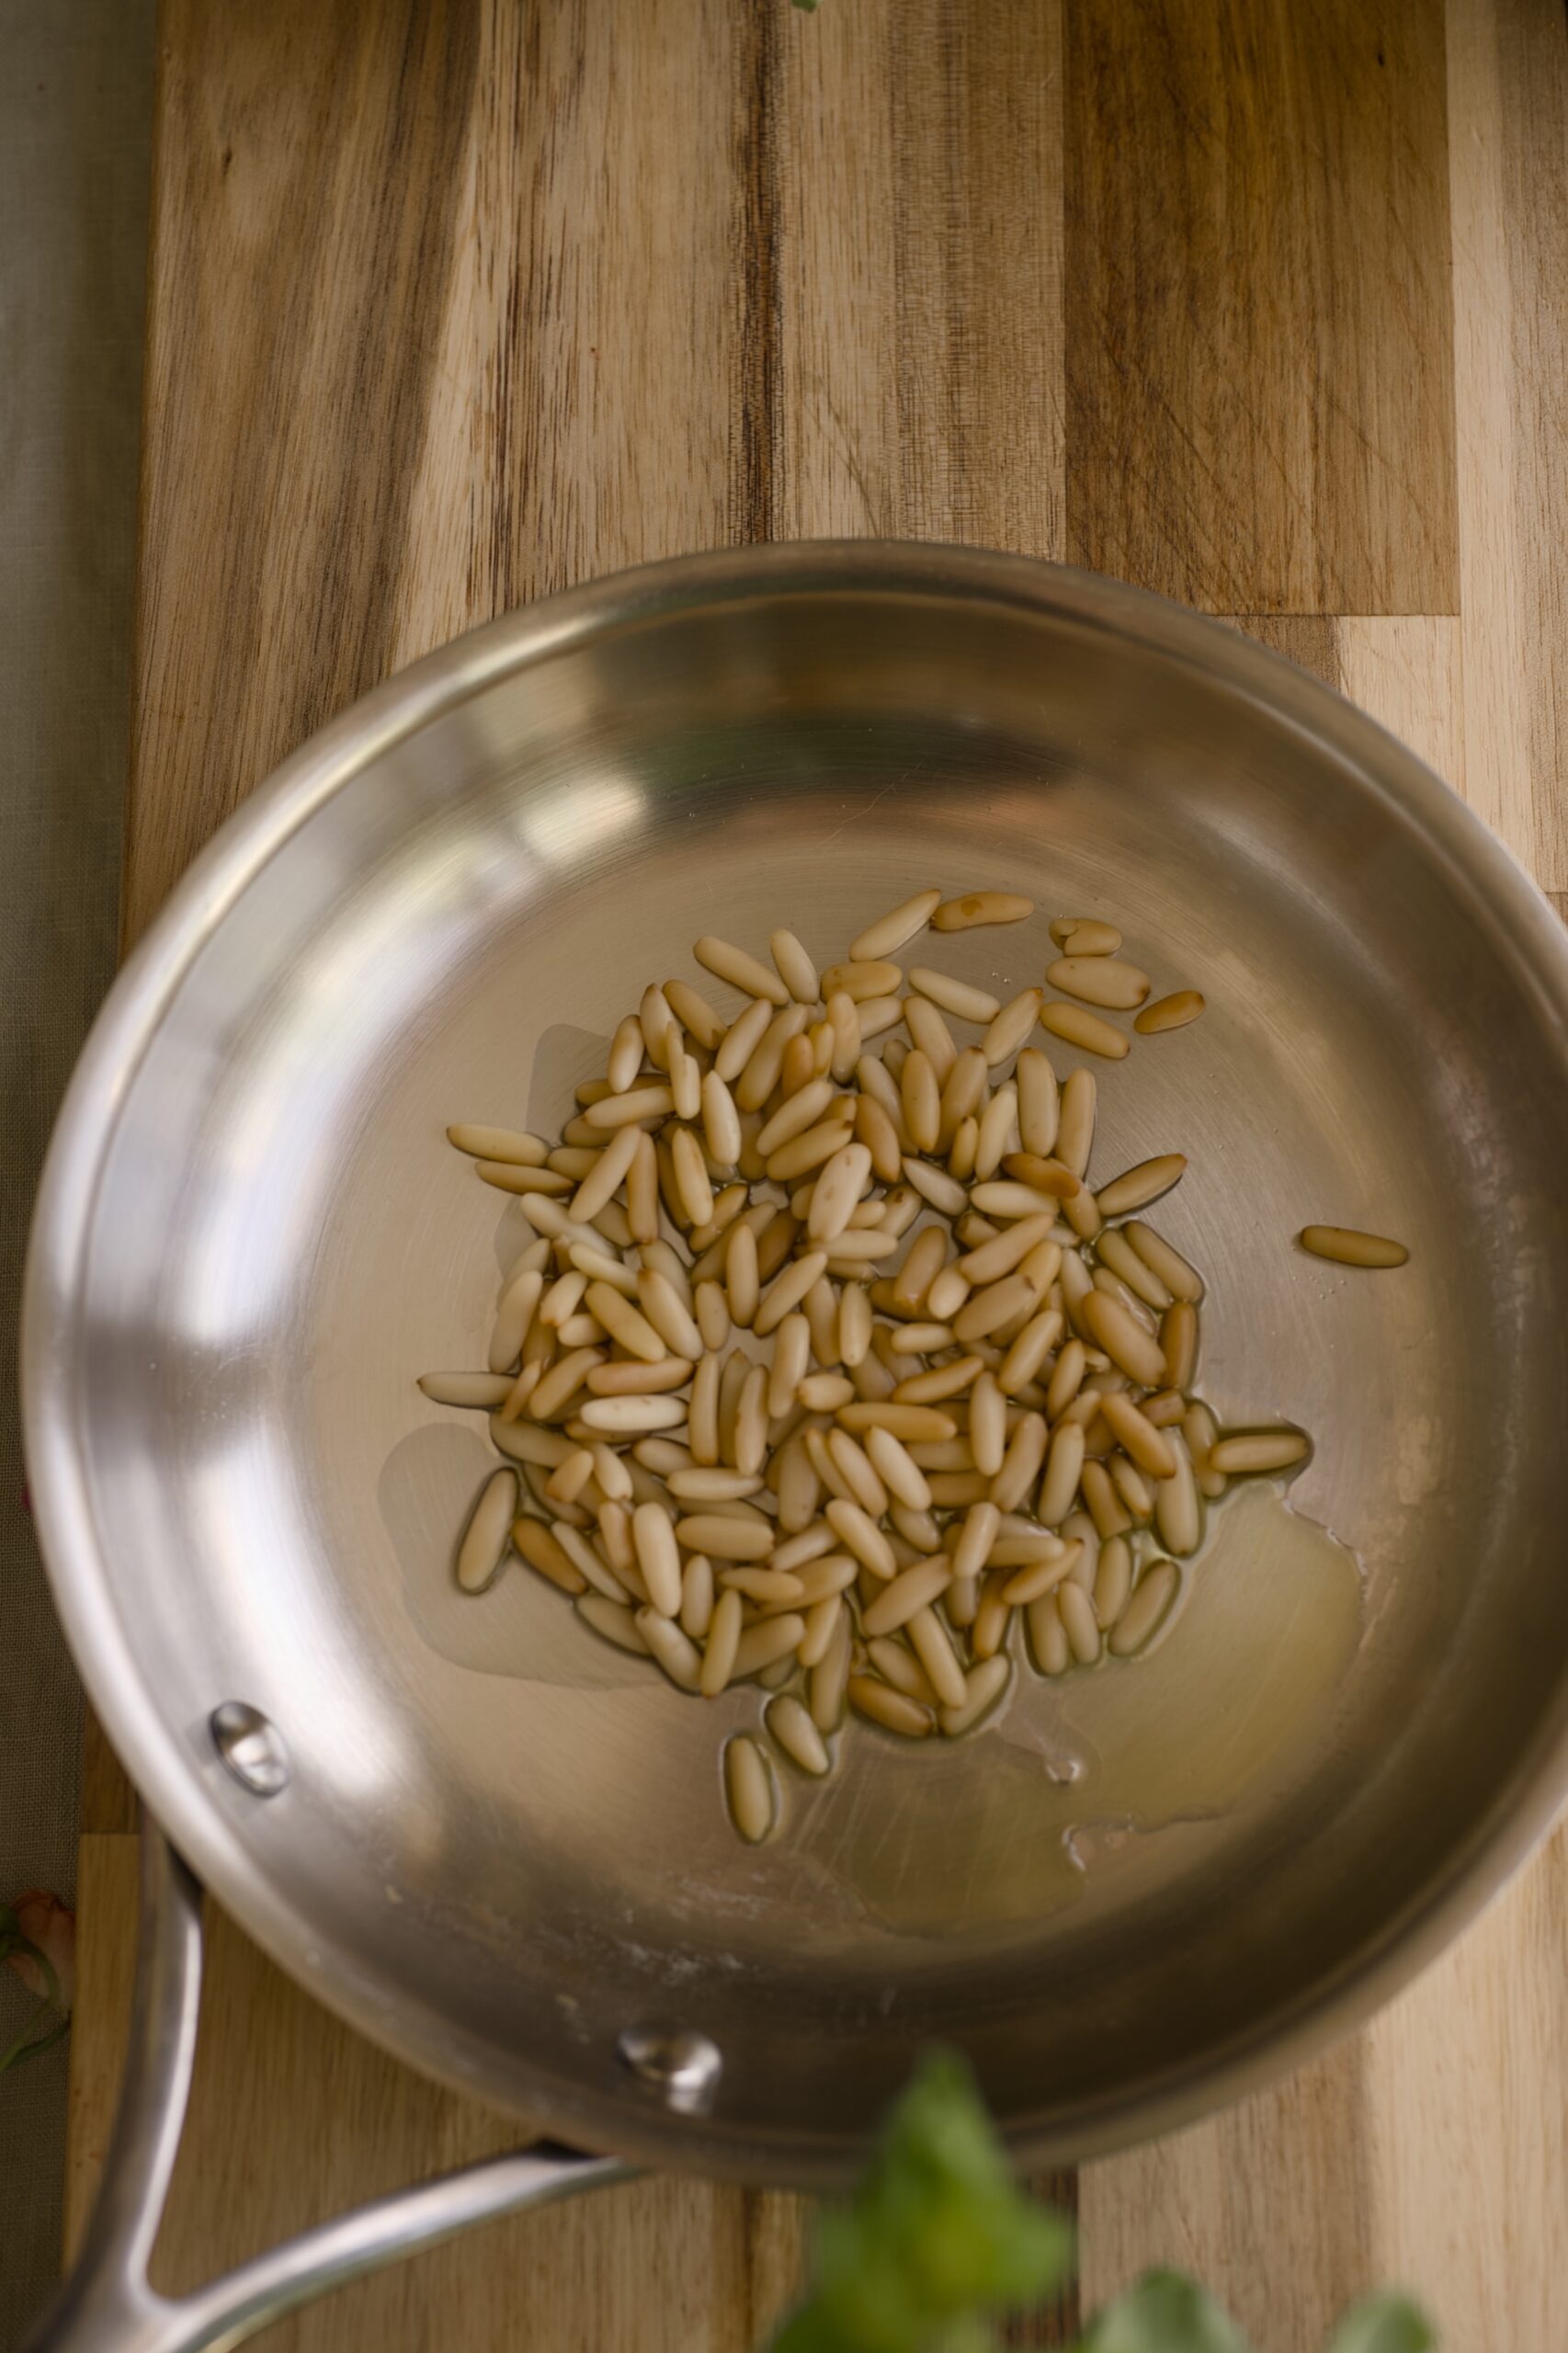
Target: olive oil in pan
{"points": [[1083, 1790], [1076, 1793]]}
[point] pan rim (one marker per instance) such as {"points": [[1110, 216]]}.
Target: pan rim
{"points": [[190, 1807]]}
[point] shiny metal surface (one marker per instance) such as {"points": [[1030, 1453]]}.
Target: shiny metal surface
{"points": [[1131, 1895], [106, 2305], [683, 2069], [251, 1747]]}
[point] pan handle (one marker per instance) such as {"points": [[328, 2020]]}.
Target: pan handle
{"points": [[105, 2305]]}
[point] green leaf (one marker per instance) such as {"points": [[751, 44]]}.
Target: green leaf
{"points": [[937, 2234], [28, 2045], [36, 2037], [1384, 2323], [1163, 2313]]}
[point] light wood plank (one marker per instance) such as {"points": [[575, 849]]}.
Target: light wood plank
{"points": [[1469, 2127], [1508, 109], [1268, 2201], [835, 177], [1432, 2148], [1409, 673], [1464, 2077], [100, 2022], [1259, 360], [1268, 2204], [107, 1801]]}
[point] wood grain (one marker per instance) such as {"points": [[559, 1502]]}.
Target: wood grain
{"points": [[1508, 108], [1259, 385], [915, 151], [101, 2023], [107, 1801], [455, 302], [1297, 2184], [308, 175], [557, 344], [289, 2123]]}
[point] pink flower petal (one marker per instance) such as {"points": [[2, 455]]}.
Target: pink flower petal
{"points": [[51, 1926]]}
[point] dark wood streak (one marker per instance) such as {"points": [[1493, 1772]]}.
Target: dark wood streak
{"points": [[1309, 640], [976, 137], [1058, 2323], [756, 439], [300, 455], [1259, 327]]}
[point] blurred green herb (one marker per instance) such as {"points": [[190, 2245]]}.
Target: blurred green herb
{"points": [[809, 6], [1382, 2325], [1164, 2310], [938, 2236], [939, 2242]]}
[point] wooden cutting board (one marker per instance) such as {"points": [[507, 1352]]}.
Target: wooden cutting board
{"points": [[1258, 302]]}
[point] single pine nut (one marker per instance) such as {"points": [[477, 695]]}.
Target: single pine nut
{"points": [[933, 1646], [980, 907], [1064, 1468], [899, 924], [748, 1789], [486, 1390], [1079, 1622], [928, 1031], [768, 1640], [484, 1545], [954, 997], [880, 1704], [1149, 1448], [1099, 980], [1240, 1454], [796, 969], [670, 1648], [1151, 1598], [512, 1145], [1011, 1027], [1178, 1514], [1047, 1636], [1348, 1248], [913, 1589], [1123, 1338], [1079, 1026], [796, 1734], [1172, 1012], [742, 972], [612, 1620]]}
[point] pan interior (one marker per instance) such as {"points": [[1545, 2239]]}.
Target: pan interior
{"points": [[504, 1843]]}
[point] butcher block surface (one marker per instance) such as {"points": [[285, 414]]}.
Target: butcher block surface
{"points": [[1260, 304]]}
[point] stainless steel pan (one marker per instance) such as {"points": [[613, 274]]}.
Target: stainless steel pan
{"points": [[498, 1848]]}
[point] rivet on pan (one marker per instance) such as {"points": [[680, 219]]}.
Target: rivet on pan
{"points": [[251, 1747], [677, 2063]]}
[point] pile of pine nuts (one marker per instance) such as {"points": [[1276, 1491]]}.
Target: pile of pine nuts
{"points": [[828, 1369]]}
